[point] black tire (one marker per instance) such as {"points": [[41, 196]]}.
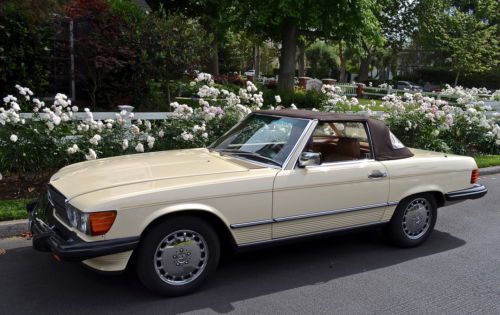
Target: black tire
{"points": [[399, 228], [150, 274]]}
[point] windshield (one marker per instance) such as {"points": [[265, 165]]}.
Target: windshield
{"points": [[266, 139]]}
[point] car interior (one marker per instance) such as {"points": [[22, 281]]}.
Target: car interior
{"points": [[340, 141]]}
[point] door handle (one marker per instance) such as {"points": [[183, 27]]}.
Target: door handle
{"points": [[377, 174]]}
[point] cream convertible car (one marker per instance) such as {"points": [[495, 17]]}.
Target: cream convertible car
{"points": [[276, 176]]}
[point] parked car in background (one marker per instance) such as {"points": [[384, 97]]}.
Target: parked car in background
{"points": [[274, 177], [250, 73], [407, 85]]}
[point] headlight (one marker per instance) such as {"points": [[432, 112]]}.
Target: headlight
{"points": [[78, 219], [93, 223]]}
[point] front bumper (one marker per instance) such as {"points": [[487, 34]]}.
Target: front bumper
{"points": [[49, 235], [475, 192]]}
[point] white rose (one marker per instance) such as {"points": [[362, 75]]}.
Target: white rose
{"points": [[125, 144], [277, 98], [13, 138], [161, 134], [139, 147], [91, 156], [74, 108]]}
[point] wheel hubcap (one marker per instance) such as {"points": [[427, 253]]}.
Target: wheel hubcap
{"points": [[417, 218], [181, 257]]}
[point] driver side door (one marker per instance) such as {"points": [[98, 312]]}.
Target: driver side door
{"points": [[348, 189]]}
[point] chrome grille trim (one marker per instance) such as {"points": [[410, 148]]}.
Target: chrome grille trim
{"points": [[58, 201]]}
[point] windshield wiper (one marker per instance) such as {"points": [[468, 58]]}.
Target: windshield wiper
{"points": [[247, 153]]}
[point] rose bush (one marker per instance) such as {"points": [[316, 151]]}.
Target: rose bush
{"points": [[432, 124], [53, 137]]}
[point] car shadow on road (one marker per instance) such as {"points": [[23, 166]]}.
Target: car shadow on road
{"points": [[68, 287]]}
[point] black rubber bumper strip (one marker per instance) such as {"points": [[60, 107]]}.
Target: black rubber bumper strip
{"points": [[47, 240], [475, 192]]}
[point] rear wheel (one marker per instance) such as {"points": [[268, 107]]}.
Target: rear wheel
{"points": [[177, 255], [413, 221]]}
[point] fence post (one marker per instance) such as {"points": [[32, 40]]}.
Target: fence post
{"points": [[303, 82], [389, 89], [438, 95], [129, 109], [359, 90]]}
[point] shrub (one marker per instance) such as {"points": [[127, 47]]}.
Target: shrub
{"points": [[25, 46], [299, 97], [52, 138]]}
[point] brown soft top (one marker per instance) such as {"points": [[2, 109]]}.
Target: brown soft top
{"points": [[380, 134]]}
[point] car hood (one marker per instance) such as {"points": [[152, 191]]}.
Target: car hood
{"points": [[85, 177]]}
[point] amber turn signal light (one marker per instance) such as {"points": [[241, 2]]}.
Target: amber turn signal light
{"points": [[101, 222], [474, 177]]}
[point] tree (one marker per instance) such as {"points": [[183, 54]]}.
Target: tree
{"points": [[26, 31], [465, 32], [285, 20], [216, 16], [323, 59], [398, 23]]}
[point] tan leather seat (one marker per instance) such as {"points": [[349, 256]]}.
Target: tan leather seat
{"points": [[347, 149]]}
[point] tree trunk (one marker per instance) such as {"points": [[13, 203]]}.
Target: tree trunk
{"points": [[288, 54], [343, 64], [456, 78], [302, 61], [213, 65], [256, 60], [364, 69]]}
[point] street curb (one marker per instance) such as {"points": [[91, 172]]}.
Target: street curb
{"points": [[489, 170], [13, 228], [18, 227]]}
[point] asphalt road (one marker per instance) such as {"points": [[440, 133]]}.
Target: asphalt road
{"points": [[456, 271]]}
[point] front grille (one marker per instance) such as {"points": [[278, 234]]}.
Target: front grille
{"points": [[59, 202]]}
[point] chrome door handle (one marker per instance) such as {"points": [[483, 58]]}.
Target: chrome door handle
{"points": [[377, 174]]}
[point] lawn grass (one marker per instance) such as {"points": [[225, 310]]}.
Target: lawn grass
{"points": [[377, 107], [13, 209], [487, 160]]}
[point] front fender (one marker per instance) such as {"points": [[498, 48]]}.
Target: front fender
{"points": [[178, 208]]}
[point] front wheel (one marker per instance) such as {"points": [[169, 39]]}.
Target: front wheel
{"points": [[177, 255], [413, 221]]}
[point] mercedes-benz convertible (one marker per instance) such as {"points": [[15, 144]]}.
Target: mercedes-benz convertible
{"points": [[276, 176]]}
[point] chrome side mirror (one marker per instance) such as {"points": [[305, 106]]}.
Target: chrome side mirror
{"points": [[309, 159]]}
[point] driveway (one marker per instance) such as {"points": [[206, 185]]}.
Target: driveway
{"points": [[456, 271]]}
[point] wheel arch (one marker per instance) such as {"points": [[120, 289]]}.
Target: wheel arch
{"points": [[208, 214], [436, 194]]}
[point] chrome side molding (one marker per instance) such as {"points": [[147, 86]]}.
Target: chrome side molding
{"points": [[312, 215]]}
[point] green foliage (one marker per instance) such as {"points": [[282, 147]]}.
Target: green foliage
{"points": [[131, 57], [13, 209], [235, 52], [299, 97], [440, 75], [487, 160], [167, 47], [24, 47], [323, 59], [466, 32]]}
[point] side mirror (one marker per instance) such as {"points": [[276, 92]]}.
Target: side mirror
{"points": [[309, 159]]}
